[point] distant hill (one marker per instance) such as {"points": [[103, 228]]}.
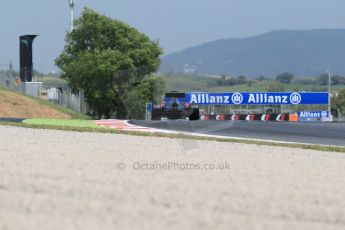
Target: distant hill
{"points": [[303, 53]]}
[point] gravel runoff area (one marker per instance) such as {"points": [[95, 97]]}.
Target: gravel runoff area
{"points": [[69, 180]]}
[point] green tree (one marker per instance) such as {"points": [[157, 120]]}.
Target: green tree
{"points": [[338, 102], [106, 58], [261, 78], [241, 80], [284, 78], [337, 80], [341, 100], [323, 79], [150, 89]]}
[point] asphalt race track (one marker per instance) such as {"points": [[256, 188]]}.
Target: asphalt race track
{"points": [[307, 132]]}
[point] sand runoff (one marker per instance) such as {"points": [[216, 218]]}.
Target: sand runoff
{"points": [[69, 180]]}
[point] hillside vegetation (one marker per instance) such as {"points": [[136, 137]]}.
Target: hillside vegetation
{"points": [[303, 53], [188, 83]]}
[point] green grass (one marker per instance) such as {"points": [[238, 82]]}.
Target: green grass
{"points": [[78, 123], [188, 82], [88, 126]]}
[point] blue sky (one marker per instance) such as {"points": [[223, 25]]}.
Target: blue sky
{"points": [[177, 24]]}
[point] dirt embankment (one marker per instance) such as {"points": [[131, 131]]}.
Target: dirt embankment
{"points": [[13, 105]]}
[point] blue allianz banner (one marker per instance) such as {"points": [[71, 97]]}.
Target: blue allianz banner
{"points": [[260, 98], [313, 114]]}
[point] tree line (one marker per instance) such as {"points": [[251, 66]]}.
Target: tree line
{"points": [[283, 78]]}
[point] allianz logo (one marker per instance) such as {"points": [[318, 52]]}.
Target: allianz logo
{"points": [[238, 98], [204, 98], [264, 98]]}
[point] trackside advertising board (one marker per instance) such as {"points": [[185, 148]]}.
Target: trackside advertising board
{"points": [[313, 114], [257, 98]]}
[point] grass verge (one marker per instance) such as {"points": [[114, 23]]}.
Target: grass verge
{"points": [[63, 122], [90, 128]]}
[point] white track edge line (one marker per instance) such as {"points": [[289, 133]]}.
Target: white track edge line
{"points": [[233, 138]]}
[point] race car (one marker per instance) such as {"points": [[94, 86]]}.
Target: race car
{"points": [[175, 106]]}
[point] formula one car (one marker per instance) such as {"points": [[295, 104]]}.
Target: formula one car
{"points": [[175, 106]]}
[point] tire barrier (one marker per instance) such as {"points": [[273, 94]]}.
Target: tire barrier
{"points": [[251, 117]]}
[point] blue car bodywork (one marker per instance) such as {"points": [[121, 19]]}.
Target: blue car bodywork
{"points": [[175, 106]]}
